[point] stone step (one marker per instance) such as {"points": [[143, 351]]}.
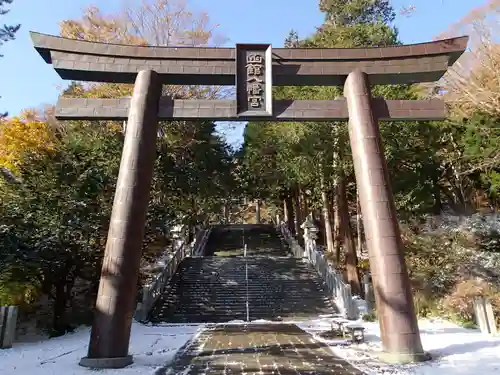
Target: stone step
{"points": [[252, 304], [216, 289], [256, 290], [254, 299]]}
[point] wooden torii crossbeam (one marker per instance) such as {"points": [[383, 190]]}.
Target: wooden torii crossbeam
{"points": [[284, 110], [99, 62], [254, 69]]}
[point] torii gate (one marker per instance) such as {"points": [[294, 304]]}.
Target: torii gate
{"points": [[254, 69]]}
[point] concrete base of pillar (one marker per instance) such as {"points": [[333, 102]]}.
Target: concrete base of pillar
{"points": [[114, 363], [404, 358]]}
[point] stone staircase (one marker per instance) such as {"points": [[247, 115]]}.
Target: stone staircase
{"points": [[215, 289]]}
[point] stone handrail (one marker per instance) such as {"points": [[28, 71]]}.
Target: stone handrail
{"points": [[198, 244], [338, 289], [152, 291], [295, 248]]}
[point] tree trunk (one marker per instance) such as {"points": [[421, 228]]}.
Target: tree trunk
{"points": [[351, 259], [304, 204], [191, 233], [285, 210], [59, 325], [359, 228], [335, 195], [298, 216], [289, 210], [336, 224], [322, 230], [326, 216]]}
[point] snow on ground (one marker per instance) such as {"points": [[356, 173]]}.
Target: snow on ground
{"points": [[455, 350], [152, 347]]}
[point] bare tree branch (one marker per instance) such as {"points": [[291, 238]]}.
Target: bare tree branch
{"points": [[150, 22]]}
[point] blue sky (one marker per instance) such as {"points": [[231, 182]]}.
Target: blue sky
{"points": [[26, 81]]}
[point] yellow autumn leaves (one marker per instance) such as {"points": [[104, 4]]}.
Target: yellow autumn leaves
{"points": [[19, 137]]}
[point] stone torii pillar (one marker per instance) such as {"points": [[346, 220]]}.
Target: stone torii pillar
{"points": [[109, 340], [396, 313]]}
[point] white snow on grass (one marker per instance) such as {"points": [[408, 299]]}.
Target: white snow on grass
{"points": [[152, 347], [455, 350]]}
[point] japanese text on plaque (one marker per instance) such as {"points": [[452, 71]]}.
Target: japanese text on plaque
{"points": [[255, 80]]}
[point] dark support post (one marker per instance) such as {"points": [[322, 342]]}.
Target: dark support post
{"points": [[109, 341], [257, 211], [398, 323]]}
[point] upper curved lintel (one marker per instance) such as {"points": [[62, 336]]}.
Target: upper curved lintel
{"points": [[44, 44]]}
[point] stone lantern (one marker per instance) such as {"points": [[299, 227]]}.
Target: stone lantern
{"points": [[310, 234]]}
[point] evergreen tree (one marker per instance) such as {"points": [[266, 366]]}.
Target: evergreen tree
{"points": [[352, 23], [7, 32], [356, 23], [292, 40], [286, 159], [353, 12]]}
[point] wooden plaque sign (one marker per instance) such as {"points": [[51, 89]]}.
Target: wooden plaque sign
{"points": [[254, 80]]}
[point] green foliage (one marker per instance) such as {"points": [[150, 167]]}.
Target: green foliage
{"points": [[370, 317], [435, 164], [363, 35], [434, 260], [354, 12], [489, 241], [54, 216], [16, 289], [279, 156], [63, 199], [480, 141], [468, 324], [54, 220], [443, 276]]}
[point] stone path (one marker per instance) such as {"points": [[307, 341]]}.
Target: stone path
{"points": [[264, 349]]}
